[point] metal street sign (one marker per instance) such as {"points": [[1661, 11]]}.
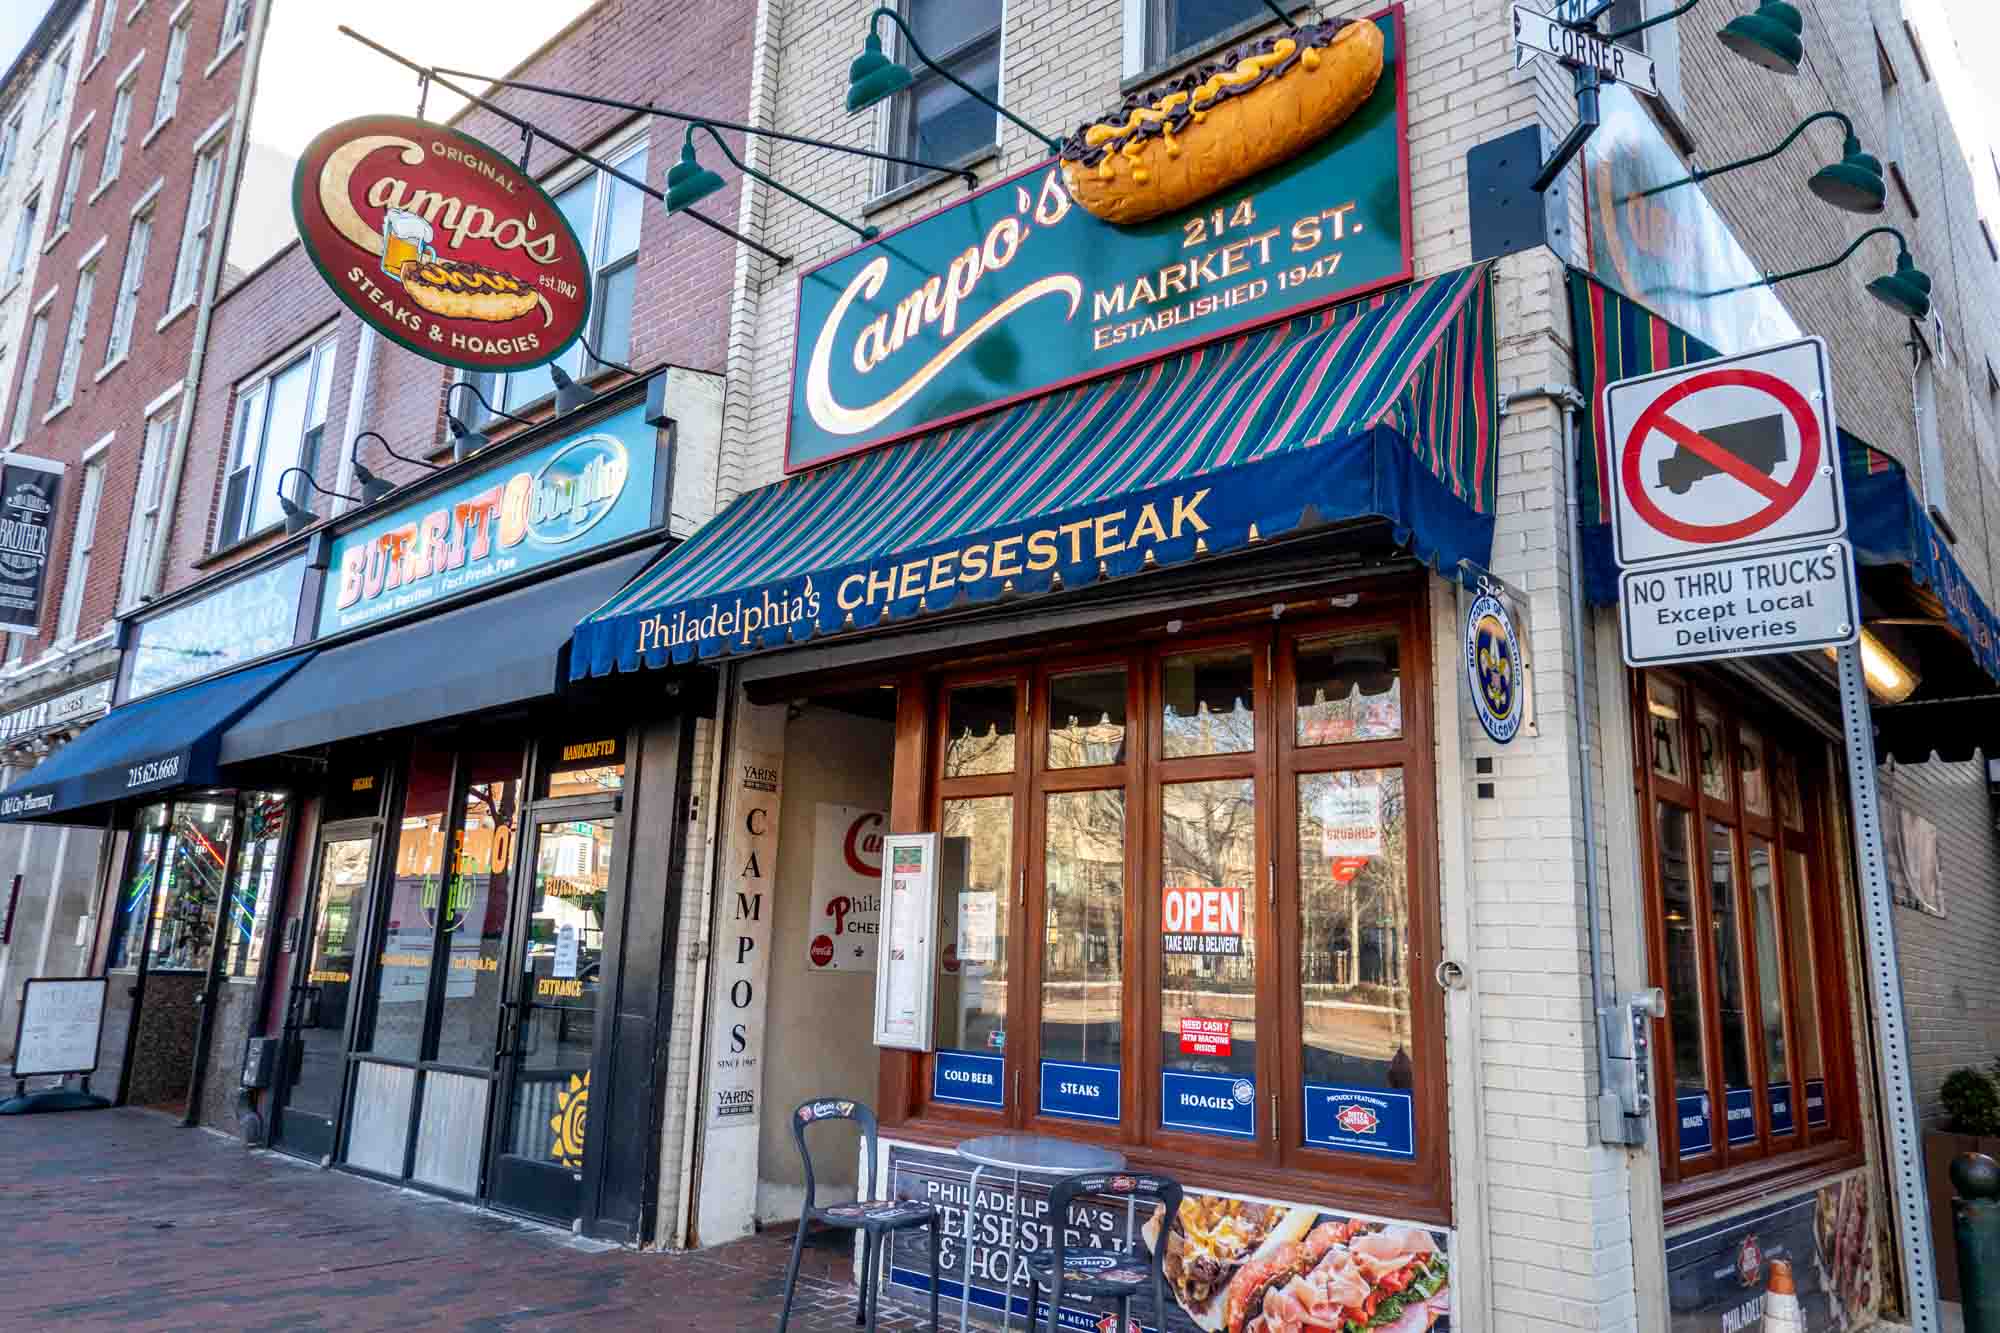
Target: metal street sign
{"points": [[1724, 457], [1551, 35], [1564, 11], [1771, 601]]}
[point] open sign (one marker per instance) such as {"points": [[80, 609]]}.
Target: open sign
{"points": [[1207, 921]]}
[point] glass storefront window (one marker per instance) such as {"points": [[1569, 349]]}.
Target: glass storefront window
{"points": [[1353, 937], [1770, 985], [1209, 700], [1724, 909], [192, 883], [591, 765], [475, 907], [1805, 989], [1208, 955], [1750, 768], [1713, 751], [1083, 951], [1683, 941], [252, 891], [1663, 730], [135, 890], [402, 981], [1087, 718], [1350, 689], [975, 853], [979, 736]]}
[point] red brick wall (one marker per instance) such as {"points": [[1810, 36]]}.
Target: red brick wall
{"points": [[689, 54], [158, 357]]}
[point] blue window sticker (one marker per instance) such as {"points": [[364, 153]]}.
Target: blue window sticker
{"points": [[1779, 1098], [1816, 1102], [969, 1078], [1697, 1131], [1371, 1120], [1742, 1104], [1084, 1092], [1209, 1103]]}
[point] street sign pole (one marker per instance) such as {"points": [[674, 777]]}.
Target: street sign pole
{"points": [[1885, 981]]}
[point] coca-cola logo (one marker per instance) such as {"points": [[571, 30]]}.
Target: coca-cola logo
{"points": [[864, 840], [822, 950]]}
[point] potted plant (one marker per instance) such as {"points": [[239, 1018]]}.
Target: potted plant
{"points": [[1971, 1102]]}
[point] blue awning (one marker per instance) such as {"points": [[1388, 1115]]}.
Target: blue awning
{"points": [[1382, 409], [159, 743]]}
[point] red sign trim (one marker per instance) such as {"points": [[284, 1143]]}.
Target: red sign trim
{"points": [[504, 242], [1782, 499]]}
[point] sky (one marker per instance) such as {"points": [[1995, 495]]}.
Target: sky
{"points": [[17, 20]]}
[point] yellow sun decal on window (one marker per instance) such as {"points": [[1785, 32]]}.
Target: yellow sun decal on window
{"points": [[572, 1105]]}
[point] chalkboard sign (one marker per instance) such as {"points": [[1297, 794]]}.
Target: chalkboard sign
{"points": [[60, 1018]]}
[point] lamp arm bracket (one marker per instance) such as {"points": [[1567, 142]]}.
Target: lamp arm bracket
{"points": [[882, 12], [1751, 161], [1835, 262], [867, 233], [1653, 22]]}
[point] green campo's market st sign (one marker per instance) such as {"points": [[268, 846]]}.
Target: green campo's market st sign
{"points": [[1016, 290]]}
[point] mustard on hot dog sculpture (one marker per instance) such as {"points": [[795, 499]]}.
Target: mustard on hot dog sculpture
{"points": [[1223, 122]]}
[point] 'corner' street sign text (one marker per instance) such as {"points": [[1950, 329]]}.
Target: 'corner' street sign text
{"points": [[1550, 34]]}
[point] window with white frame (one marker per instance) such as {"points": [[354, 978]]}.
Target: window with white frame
{"points": [[144, 529], [17, 648], [125, 313], [933, 118], [72, 353], [1930, 446], [200, 222], [1175, 27], [107, 20], [83, 539], [24, 236], [10, 143], [605, 213], [58, 80], [121, 126], [280, 417], [72, 176], [170, 73], [31, 371], [235, 23]]}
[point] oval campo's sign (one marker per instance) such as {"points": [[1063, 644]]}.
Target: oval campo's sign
{"points": [[441, 244]]}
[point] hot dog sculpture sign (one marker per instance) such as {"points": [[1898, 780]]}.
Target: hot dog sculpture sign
{"points": [[441, 244], [1268, 182]]}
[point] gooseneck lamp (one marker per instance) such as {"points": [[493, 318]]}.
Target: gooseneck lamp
{"points": [[373, 488], [1770, 37], [1907, 291], [873, 76], [400, 458], [689, 182], [466, 441], [297, 516], [1854, 183]]}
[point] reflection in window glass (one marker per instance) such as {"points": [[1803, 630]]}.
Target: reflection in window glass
{"points": [[1663, 722], [1770, 981], [1208, 698], [402, 977], [975, 852], [475, 907], [1354, 928], [1714, 752], [1208, 942], [1799, 951], [1750, 769], [1083, 950], [191, 883], [1087, 718], [979, 736], [1683, 938], [251, 893], [1728, 958], [135, 894], [1790, 808], [1349, 690]]}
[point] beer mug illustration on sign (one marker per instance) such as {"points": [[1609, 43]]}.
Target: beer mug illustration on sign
{"points": [[405, 236]]}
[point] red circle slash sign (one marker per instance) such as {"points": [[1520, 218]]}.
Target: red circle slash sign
{"points": [[1779, 499]]}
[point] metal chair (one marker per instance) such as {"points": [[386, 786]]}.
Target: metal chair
{"points": [[1097, 1272], [877, 1220]]}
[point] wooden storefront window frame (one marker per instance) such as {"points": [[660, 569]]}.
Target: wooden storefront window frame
{"points": [[1726, 1176], [1283, 1167]]}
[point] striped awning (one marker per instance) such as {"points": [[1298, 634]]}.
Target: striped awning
{"points": [[1617, 337], [1383, 408]]}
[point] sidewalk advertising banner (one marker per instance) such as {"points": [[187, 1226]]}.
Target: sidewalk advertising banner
{"points": [[1809, 1264], [1122, 251], [1230, 1259], [30, 491]]}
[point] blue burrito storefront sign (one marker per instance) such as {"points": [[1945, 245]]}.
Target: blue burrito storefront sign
{"points": [[1016, 290]]}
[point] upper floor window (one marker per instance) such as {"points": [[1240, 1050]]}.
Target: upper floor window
{"points": [[82, 539], [933, 119], [58, 83], [10, 143], [1174, 28], [31, 371], [107, 21], [280, 416], [24, 236], [144, 529], [235, 23], [605, 213], [170, 73], [72, 176], [79, 321], [121, 126], [195, 231], [125, 313]]}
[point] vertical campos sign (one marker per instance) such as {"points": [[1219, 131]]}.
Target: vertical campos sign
{"points": [[743, 943], [30, 489]]}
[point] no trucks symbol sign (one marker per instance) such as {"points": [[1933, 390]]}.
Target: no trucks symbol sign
{"points": [[1724, 456]]}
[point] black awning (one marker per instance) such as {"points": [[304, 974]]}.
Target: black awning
{"points": [[505, 650], [160, 743], [1947, 729]]}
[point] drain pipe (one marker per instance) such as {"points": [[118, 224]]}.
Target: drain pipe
{"points": [[1623, 1060]]}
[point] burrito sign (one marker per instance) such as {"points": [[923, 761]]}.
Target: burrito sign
{"points": [[441, 244]]}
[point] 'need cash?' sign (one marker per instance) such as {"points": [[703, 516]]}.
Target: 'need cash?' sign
{"points": [[522, 512], [1017, 290]]}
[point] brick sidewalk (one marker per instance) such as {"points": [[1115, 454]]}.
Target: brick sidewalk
{"points": [[122, 1219]]}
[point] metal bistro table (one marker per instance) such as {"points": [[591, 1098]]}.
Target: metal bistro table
{"points": [[1021, 1154]]}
